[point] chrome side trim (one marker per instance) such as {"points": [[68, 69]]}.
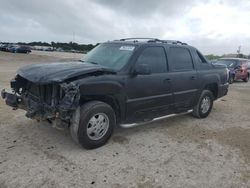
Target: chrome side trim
{"points": [[154, 120]]}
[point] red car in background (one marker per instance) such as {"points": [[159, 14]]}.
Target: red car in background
{"points": [[239, 68]]}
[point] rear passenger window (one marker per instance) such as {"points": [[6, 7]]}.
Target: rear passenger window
{"points": [[155, 58], [180, 59]]}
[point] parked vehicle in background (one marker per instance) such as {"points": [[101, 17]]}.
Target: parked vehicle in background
{"points": [[238, 68], [124, 82], [15, 48], [4, 47], [19, 49], [12, 48], [248, 67]]}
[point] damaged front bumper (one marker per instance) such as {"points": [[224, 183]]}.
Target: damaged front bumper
{"points": [[11, 99], [60, 107]]}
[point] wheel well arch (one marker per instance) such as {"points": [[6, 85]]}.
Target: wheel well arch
{"points": [[213, 87], [110, 100]]}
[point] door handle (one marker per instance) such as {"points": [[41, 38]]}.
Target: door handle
{"points": [[192, 78]]}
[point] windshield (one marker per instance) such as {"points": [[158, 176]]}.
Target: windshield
{"points": [[113, 56], [229, 63]]}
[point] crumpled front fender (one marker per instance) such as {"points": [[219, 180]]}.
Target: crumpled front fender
{"points": [[70, 101]]}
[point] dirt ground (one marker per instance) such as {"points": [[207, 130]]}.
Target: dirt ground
{"points": [[177, 152]]}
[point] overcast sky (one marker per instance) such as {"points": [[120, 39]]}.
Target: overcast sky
{"points": [[213, 26]]}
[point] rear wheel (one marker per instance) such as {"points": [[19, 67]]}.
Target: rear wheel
{"points": [[205, 104], [97, 121]]}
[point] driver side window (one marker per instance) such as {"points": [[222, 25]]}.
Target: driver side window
{"points": [[154, 58]]}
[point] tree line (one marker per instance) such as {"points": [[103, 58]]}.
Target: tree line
{"points": [[64, 46], [214, 57]]}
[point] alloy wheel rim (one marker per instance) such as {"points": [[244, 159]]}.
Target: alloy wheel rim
{"points": [[97, 126], [205, 104]]}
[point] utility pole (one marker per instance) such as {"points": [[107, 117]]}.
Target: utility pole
{"points": [[238, 51]]}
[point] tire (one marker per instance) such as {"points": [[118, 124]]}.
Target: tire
{"points": [[94, 117], [231, 79], [246, 79], [201, 110]]}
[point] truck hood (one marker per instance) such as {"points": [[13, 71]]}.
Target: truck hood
{"points": [[59, 72]]}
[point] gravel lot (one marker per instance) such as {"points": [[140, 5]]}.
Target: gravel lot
{"points": [[177, 152]]}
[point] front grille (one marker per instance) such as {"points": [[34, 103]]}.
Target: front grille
{"points": [[43, 93], [46, 94]]}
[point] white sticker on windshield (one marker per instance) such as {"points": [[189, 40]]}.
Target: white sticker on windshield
{"points": [[129, 48]]}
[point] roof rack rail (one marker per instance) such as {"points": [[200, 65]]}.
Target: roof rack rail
{"points": [[168, 41], [174, 42], [153, 40], [136, 39]]}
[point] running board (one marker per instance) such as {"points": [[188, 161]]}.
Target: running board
{"points": [[154, 120]]}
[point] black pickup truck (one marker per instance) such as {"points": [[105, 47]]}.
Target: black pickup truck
{"points": [[124, 82]]}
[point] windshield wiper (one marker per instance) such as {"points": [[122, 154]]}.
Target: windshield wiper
{"points": [[89, 62], [92, 62]]}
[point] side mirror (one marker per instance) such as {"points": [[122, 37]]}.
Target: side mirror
{"points": [[142, 69]]}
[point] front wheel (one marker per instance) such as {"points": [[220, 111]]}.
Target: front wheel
{"points": [[96, 124], [204, 105]]}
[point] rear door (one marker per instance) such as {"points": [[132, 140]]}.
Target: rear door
{"points": [[149, 95], [184, 79]]}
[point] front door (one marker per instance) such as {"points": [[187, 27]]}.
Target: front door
{"points": [[149, 95]]}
